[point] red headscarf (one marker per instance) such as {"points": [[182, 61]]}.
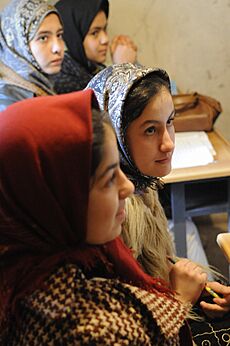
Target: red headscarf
{"points": [[45, 157]]}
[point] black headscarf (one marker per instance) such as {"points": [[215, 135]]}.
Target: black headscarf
{"points": [[77, 16]]}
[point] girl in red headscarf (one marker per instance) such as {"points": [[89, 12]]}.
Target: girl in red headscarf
{"points": [[66, 277]]}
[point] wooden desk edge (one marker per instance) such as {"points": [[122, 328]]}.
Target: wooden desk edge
{"points": [[217, 169]]}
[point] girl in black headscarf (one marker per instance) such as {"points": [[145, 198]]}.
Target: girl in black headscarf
{"points": [[85, 25]]}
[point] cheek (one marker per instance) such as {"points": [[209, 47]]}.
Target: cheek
{"points": [[38, 53], [172, 134], [33, 50], [143, 151], [88, 45], [101, 217], [108, 210], [144, 156], [102, 208]]}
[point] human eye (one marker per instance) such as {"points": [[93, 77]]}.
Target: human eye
{"points": [[150, 130], [42, 38], [170, 120], [111, 179], [95, 33], [60, 35]]}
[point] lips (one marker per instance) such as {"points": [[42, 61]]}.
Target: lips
{"points": [[121, 215], [103, 51], [121, 211], [164, 159], [56, 62]]}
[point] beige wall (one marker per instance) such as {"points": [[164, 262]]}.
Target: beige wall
{"points": [[3, 3], [189, 38]]}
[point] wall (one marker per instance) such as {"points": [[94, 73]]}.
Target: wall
{"points": [[3, 3], [189, 38]]}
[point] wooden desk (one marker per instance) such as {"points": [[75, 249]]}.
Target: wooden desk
{"points": [[179, 179]]}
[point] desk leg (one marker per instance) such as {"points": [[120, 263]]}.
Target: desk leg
{"points": [[178, 216], [228, 207], [228, 211]]}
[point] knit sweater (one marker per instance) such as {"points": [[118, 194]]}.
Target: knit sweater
{"points": [[74, 310]]}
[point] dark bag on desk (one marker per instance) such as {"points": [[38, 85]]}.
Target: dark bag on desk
{"points": [[195, 112]]}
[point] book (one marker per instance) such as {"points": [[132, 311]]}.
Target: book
{"points": [[192, 149]]}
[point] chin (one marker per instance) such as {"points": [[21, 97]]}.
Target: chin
{"points": [[117, 232], [52, 71], [164, 173], [55, 72], [101, 60], [158, 172]]}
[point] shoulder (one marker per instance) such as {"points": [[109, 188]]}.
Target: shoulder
{"points": [[10, 94], [73, 76]]}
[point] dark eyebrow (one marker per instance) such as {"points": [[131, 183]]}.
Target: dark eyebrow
{"points": [[45, 32], [110, 167], [157, 121], [98, 28]]}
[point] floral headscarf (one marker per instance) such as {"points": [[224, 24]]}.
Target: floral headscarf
{"points": [[19, 22], [111, 87]]}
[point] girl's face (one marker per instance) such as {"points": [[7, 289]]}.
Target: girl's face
{"points": [[150, 137], [47, 46], [96, 41], [109, 188]]}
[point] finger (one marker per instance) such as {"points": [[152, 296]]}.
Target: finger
{"points": [[113, 47], [123, 37], [126, 40], [116, 37], [132, 46], [222, 302], [216, 286], [182, 262], [189, 265], [114, 41], [213, 307]]}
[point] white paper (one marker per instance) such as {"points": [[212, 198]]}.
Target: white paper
{"points": [[192, 149]]}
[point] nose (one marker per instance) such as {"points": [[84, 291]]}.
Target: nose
{"points": [[167, 143], [104, 38], [126, 186], [57, 46]]}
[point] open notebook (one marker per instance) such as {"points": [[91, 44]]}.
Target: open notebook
{"points": [[192, 149]]}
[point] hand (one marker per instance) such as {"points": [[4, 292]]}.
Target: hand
{"points": [[123, 49], [221, 305], [188, 280]]}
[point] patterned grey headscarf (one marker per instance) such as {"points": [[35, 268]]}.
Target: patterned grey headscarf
{"points": [[111, 87], [19, 22]]}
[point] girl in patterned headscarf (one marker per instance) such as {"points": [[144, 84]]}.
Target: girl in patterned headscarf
{"points": [[140, 106], [31, 49], [66, 276], [145, 229], [125, 91]]}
